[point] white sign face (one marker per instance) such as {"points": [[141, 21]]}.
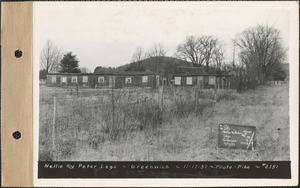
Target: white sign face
{"points": [[177, 80], [145, 79], [85, 79], [128, 80], [189, 80], [100, 79], [74, 79], [212, 80], [53, 79], [63, 79]]}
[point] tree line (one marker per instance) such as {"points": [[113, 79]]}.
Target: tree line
{"points": [[260, 55], [52, 60], [200, 51]]}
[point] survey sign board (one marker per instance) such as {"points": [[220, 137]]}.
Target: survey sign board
{"points": [[236, 136]]}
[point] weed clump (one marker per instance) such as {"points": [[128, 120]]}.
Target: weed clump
{"points": [[226, 96]]}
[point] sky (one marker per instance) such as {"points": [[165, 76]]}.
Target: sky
{"points": [[107, 33]]}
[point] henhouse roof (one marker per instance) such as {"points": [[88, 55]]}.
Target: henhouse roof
{"points": [[191, 71]]}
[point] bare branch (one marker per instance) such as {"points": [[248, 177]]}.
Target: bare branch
{"points": [[157, 50], [260, 50], [50, 57], [202, 50], [138, 54]]}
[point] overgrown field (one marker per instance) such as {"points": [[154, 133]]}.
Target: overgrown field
{"points": [[131, 125]]}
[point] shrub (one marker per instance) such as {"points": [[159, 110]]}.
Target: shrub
{"points": [[183, 107], [66, 145], [226, 96]]}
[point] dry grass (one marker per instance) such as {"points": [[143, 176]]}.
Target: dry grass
{"points": [[142, 131]]}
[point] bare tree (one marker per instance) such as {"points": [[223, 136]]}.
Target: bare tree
{"points": [[50, 57], [189, 51], [218, 54], [157, 50], [207, 46], [199, 50], [138, 54], [261, 51]]}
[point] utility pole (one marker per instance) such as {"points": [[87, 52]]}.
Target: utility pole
{"points": [[233, 62]]}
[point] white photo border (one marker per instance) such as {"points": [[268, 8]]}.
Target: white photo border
{"points": [[292, 6]]}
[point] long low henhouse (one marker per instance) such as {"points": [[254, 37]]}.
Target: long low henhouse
{"points": [[183, 76], [93, 80], [197, 76]]}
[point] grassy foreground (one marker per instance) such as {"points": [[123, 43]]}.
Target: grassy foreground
{"points": [[182, 135]]}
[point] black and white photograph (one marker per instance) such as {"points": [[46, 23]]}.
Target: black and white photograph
{"points": [[153, 89]]}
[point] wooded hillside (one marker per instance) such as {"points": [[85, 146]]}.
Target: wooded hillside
{"points": [[165, 66]]}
